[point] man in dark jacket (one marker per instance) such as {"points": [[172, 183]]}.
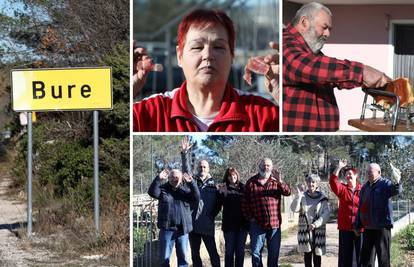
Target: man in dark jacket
{"points": [[261, 206], [174, 214], [203, 213], [375, 214]]}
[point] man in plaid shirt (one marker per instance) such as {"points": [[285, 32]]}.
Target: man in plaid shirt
{"points": [[261, 206], [309, 77]]}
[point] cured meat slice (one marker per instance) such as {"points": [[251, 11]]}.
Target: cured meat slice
{"points": [[147, 65], [256, 65], [402, 88]]}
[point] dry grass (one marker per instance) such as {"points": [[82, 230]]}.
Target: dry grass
{"points": [[61, 229]]}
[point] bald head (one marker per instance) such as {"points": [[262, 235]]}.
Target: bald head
{"points": [[203, 169], [373, 172], [175, 178]]}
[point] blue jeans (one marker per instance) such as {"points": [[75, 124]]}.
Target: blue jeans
{"points": [[258, 237], [210, 243], [167, 239], [235, 242]]}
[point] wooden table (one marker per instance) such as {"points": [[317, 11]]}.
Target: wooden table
{"points": [[378, 125]]}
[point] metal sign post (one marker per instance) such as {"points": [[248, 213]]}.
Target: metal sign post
{"points": [[29, 173], [96, 168]]}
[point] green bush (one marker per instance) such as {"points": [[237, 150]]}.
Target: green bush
{"points": [[65, 166], [407, 237]]}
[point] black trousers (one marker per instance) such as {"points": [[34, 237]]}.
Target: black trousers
{"points": [[376, 241], [348, 241], [316, 259], [209, 242]]}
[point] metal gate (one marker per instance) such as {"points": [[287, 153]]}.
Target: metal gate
{"points": [[145, 232]]}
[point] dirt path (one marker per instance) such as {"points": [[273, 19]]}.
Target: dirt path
{"points": [[289, 254], [18, 251], [13, 250]]}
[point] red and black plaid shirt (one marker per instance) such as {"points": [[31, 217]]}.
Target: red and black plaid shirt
{"points": [[308, 81], [262, 202]]}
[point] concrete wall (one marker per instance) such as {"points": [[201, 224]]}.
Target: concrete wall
{"points": [[402, 223]]}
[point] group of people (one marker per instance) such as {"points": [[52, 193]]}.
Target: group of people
{"points": [[189, 204]]}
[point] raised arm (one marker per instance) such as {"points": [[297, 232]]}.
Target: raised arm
{"points": [[395, 188], [295, 205], [142, 65], [283, 187], [185, 155], [155, 188], [336, 186]]}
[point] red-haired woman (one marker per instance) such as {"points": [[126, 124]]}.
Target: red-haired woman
{"points": [[205, 101], [234, 225], [348, 195]]}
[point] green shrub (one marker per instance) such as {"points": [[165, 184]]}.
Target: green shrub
{"points": [[407, 237], [65, 166]]}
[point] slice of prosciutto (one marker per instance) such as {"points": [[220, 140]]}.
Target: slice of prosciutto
{"points": [[147, 65], [256, 65]]}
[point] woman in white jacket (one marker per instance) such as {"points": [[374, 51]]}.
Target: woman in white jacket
{"points": [[313, 209]]}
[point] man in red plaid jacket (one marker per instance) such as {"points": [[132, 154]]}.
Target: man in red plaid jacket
{"points": [[309, 77], [261, 206]]}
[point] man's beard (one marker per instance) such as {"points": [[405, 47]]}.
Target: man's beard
{"points": [[314, 42], [265, 174]]}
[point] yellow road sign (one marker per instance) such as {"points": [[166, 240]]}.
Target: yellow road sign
{"points": [[62, 89]]}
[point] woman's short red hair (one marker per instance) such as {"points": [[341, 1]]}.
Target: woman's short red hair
{"points": [[201, 18], [353, 170]]}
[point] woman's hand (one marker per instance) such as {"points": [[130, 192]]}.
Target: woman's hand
{"points": [[140, 75], [272, 77], [222, 188], [142, 66], [301, 190], [342, 163], [311, 227]]}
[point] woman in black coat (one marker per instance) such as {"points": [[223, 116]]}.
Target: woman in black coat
{"points": [[234, 225]]}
